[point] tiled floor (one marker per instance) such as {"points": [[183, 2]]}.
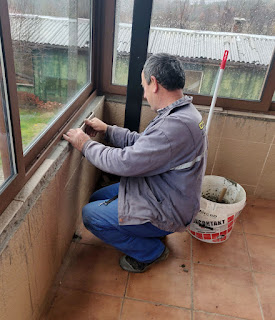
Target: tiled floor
{"points": [[199, 281]]}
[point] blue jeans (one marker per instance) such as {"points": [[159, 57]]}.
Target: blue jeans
{"points": [[140, 242]]}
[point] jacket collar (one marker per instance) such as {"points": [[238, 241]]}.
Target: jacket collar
{"points": [[180, 102]]}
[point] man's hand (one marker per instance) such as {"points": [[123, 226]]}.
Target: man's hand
{"points": [[94, 126], [77, 138]]}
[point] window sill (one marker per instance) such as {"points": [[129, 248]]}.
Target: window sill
{"points": [[16, 212]]}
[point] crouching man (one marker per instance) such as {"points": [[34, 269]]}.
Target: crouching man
{"points": [[161, 169]]}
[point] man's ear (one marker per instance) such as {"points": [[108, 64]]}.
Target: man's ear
{"points": [[155, 84]]}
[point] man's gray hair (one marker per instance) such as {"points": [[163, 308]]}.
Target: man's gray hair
{"points": [[167, 69]]}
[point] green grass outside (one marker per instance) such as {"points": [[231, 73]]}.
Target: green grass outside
{"points": [[33, 122]]}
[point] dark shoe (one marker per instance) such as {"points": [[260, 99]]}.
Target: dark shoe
{"points": [[132, 265]]}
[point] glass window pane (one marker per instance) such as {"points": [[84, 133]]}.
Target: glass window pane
{"points": [[122, 43], [52, 50], [199, 32], [7, 163]]}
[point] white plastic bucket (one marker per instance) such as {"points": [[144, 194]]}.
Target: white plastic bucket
{"points": [[215, 221]]}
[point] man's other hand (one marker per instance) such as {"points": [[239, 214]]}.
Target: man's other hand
{"points": [[94, 126], [77, 138]]}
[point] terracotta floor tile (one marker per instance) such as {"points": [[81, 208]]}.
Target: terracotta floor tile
{"points": [[179, 244], [166, 282], [259, 220], [264, 202], [93, 284], [137, 310], [262, 253], [250, 199], [96, 269], [73, 304], [238, 226], [225, 291], [246, 208], [266, 289], [231, 253], [211, 316]]}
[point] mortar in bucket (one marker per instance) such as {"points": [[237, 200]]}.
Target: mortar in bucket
{"points": [[215, 221]]}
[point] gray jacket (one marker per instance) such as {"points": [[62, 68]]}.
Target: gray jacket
{"points": [[161, 169]]}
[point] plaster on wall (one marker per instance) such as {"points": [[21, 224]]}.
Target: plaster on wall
{"points": [[37, 227]]}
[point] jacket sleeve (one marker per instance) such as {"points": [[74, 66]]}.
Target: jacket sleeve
{"points": [[121, 137], [149, 155]]}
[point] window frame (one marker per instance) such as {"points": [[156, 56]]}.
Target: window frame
{"points": [[263, 105], [17, 180], [106, 13], [29, 162]]}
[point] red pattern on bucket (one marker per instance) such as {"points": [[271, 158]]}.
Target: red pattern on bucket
{"points": [[230, 224], [215, 235], [220, 239], [218, 236]]}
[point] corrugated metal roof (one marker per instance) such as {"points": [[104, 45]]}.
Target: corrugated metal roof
{"points": [[48, 30], [244, 48]]}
